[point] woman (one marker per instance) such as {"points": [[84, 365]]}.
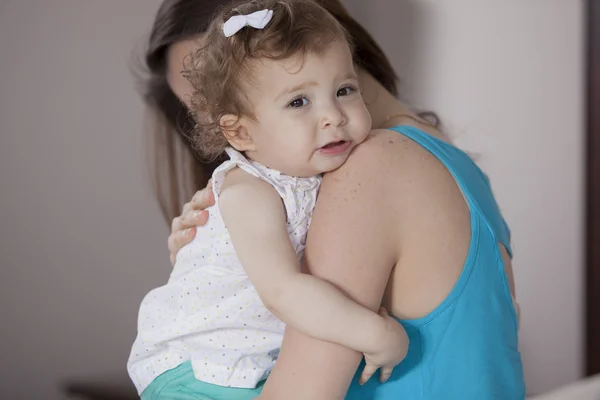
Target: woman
{"points": [[392, 227]]}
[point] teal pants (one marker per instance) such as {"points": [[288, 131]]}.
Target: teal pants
{"points": [[181, 384]]}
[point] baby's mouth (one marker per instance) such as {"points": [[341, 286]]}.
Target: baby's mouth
{"points": [[334, 144], [335, 148]]}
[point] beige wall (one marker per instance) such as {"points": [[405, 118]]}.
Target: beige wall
{"points": [[81, 236], [506, 77]]}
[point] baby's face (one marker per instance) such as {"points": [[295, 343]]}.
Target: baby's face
{"points": [[308, 112]]}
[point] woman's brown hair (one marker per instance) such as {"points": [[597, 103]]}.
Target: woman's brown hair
{"points": [[176, 172]]}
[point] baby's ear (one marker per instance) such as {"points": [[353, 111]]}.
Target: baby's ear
{"points": [[236, 132]]}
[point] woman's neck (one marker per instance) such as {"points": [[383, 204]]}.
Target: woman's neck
{"points": [[385, 109]]}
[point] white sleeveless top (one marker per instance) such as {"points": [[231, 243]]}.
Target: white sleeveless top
{"points": [[209, 313]]}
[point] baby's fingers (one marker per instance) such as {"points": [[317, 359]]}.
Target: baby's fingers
{"points": [[367, 373], [384, 374]]}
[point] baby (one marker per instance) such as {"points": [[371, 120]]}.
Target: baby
{"points": [[276, 90]]}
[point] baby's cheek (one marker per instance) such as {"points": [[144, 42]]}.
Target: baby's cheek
{"points": [[363, 128], [361, 116]]}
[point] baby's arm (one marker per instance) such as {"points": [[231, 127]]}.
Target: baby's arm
{"points": [[256, 220]]}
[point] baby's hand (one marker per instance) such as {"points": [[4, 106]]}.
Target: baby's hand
{"points": [[392, 350]]}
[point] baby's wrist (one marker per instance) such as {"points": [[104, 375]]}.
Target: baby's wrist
{"points": [[378, 335]]}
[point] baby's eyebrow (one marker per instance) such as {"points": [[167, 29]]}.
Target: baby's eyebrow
{"points": [[296, 88], [349, 75]]}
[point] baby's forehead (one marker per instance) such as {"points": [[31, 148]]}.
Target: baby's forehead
{"points": [[269, 68], [271, 75]]}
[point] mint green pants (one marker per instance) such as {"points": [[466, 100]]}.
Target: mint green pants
{"points": [[180, 384]]}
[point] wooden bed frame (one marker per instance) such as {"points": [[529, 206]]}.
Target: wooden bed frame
{"points": [[592, 342]]}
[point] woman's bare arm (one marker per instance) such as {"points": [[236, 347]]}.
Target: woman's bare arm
{"points": [[352, 243], [303, 301]]}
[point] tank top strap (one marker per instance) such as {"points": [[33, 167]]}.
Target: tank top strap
{"points": [[474, 184]]}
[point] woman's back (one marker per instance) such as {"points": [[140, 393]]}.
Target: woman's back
{"points": [[448, 288], [434, 228]]}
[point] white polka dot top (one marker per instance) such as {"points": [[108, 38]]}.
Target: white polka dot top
{"points": [[209, 313]]}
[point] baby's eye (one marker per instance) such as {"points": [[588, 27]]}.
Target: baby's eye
{"points": [[346, 91], [298, 102]]}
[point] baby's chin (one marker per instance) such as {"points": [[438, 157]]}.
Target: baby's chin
{"points": [[335, 163]]}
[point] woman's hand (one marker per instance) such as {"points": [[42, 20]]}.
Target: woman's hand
{"points": [[183, 228]]}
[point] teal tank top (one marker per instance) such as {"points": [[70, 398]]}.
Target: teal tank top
{"points": [[467, 348]]}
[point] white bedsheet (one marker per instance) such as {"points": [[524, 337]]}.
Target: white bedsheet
{"points": [[586, 389]]}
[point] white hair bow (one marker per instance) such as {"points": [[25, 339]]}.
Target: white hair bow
{"points": [[258, 20]]}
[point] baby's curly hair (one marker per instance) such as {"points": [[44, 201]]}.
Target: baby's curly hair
{"points": [[217, 69]]}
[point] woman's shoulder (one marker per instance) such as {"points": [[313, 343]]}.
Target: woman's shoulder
{"points": [[389, 166], [392, 156]]}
